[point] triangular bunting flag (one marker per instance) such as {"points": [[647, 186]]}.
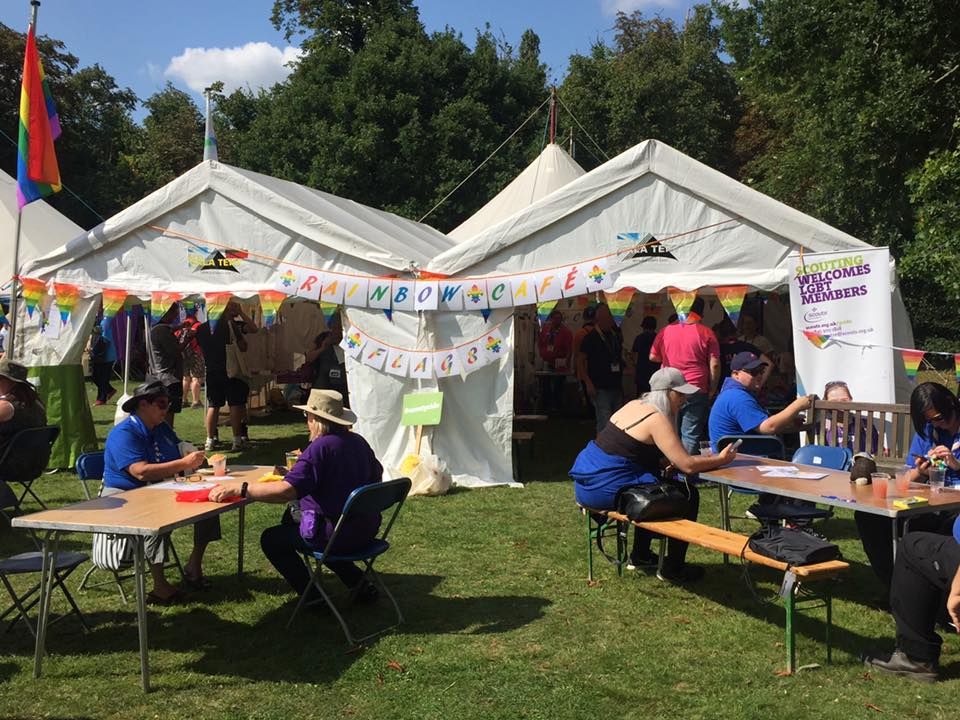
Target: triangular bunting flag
{"points": [[618, 301], [328, 310], [67, 297], [33, 291], [113, 301], [911, 362], [216, 303], [270, 301], [731, 298], [160, 302], [682, 301], [818, 340], [544, 309], [485, 312], [389, 313]]}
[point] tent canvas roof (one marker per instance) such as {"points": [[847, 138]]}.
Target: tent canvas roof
{"points": [[552, 169]]}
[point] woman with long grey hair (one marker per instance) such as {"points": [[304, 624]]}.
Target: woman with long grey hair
{"points": [[633, 449]]}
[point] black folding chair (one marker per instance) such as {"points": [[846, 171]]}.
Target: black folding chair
{"points": [[26, 458], [367, 500], [30, 563]]}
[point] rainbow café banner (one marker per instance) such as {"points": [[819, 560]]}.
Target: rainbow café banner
{"points": [[843, 330]]}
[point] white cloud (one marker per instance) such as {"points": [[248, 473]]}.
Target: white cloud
{"points": [[253, 66], [612, 7]]}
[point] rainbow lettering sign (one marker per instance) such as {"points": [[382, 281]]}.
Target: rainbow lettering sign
{"points": [[160, 302], [682, 301], [270, 302], [113, 302], [911, 362], [353, 340], [289, 279], [597, 274], [216, 304], [818, 340], [618, 301], [475, 294], [731, 297], [67, 297], [544, 309], [494, 344], [33, 291]]}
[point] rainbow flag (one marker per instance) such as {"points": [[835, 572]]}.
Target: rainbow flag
{"points": [[328, 310], [618, 301], [209, 139], [911, 361], [113, 301], [216, 303], [682, 301], [38, 174], [818, 340], [67, 297], [160, 302], [270, 302], [544, 309], [731, 297], [33, 291], [956, 365]]}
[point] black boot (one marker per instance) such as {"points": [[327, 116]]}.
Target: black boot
{"points": [[901, 664]]}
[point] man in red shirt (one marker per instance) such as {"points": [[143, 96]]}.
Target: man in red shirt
{"points": [[693, 349], [556, 345]]}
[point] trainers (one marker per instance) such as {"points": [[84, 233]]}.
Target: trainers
{"points": [[644, 561], [684, 574], [902, 665], [211, 444]]}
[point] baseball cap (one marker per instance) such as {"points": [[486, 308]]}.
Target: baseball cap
{"points": [[671, 379], [746, 361]]}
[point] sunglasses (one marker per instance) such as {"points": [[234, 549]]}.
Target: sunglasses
{"points": [[161, 403]]}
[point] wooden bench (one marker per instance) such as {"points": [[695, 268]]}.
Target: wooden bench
{"points": [[793, 590], [890, 424], [520, 437], [530, 418]]}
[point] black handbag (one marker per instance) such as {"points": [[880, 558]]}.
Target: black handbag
{"points": [[652, 502], [794, 547]]}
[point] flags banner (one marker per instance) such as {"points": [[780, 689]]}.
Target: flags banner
{"points": [[270, 302], [216, 303], [682, 301], [421, 365], [598, 276], [475, 296], [67, 296], [426, 295], [353, 342], [38, 174], [446, 363], [544, 309], [374, 354], [328, 310], [287, 280], [911, 362], [618, 301], [397, 362], [160, 302], [472, 357], [33, 291], [731, 298], [493, 345], [113, 302], [355, 292]]}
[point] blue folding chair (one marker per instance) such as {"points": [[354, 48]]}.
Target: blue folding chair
{"points": [[89, 467], [768, 446], [373, 499], [834, 458]]}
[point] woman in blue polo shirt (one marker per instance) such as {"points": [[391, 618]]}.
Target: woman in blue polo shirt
{"points": [[143, 449]]}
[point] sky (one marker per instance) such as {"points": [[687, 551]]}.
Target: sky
{"points": [[191, 43]]}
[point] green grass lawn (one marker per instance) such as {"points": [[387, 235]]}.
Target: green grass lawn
{"points": [[500, 623]]}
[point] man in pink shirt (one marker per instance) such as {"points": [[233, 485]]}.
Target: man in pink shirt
{"points": [[693, 349]]}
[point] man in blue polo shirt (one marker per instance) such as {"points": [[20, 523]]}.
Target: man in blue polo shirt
{"points": [[736, 410]]}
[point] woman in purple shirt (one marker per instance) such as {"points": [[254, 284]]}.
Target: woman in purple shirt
{"points": [[335, 463]]}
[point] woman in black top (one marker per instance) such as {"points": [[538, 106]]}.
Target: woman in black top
{"points": [[631, 449]]}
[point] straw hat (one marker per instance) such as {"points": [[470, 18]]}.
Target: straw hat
{"points": [[328, 404]]}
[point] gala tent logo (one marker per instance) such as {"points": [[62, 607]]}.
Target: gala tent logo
{"points": [[647, 246], [203, 259]]}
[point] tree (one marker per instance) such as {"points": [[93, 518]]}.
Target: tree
{"points": [[172, 139], [343, 23]]}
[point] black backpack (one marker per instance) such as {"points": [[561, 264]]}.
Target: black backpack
{"points": [[794, 547]]}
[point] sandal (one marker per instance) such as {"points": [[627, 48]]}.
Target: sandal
{"points": [[200, 583], [174, 599]]}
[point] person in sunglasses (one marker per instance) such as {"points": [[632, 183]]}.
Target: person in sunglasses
{"points": [[144, 449]]}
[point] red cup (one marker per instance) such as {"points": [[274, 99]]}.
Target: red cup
{"points": [[879, 482], [903, 483]]}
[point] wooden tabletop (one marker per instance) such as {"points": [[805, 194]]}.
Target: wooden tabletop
{"points": [[144, 511], [835, 489]]}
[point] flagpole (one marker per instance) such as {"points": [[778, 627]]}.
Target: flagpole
{"points": [[14, 290]]}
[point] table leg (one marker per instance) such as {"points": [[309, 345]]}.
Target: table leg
{"points": [[46, 590], [240, 523], [140, 579], [896, 538], [724, 513]]}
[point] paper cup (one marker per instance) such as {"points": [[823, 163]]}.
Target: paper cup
{"points": [[879, 483], [219, 467]]}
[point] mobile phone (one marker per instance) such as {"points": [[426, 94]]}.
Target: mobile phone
{"points": [[737, 443]]}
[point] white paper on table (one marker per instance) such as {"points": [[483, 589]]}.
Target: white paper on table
{"points": [[791, 472], [181, 485]]}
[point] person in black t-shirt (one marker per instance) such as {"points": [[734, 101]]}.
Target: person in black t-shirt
{"points": [[642, 344], [600, 364], [730, 346]]}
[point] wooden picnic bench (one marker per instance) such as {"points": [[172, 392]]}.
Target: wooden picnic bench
{"points": [[521, 437], [884, 430], [794, 588]]}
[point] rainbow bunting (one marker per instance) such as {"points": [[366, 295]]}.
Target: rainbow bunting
{"points": [[328, 310], [818, 340], [618, 301], [113, 301], [956, 365], [682, 301], [731, 297], [544, 309], [67, 297], [160, 302], [270, 302], [37, 172], [33, 291], [216, 303], [911, 362]]}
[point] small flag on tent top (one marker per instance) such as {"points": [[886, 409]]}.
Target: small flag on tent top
{"points": [[270, 302], [731, 298], [67, 297], [209, 138], [328, 310], [911, 362], [618, 301], [818, 340], [682, 301], [113, 301], [160, 302], [33, 291], [216, 303], [544, 309]]}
